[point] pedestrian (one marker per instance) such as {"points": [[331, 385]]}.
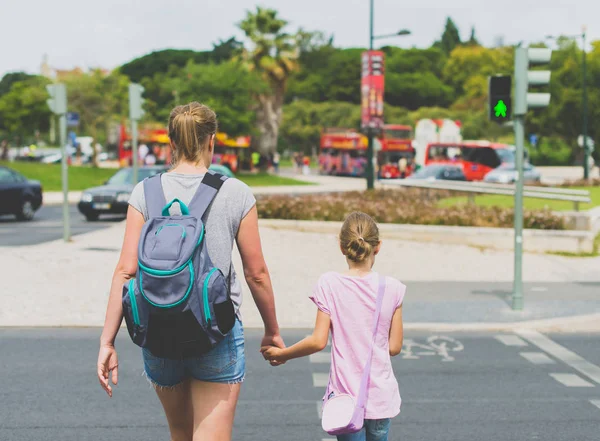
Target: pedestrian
{"points": [[198, 390], [255, 160], [306, 166], [591, 164], [349, 303], [276, 159], [402, 165], [295, 163]]}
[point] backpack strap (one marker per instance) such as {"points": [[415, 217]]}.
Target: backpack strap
{"points": [[207, 190], [154, 195]]}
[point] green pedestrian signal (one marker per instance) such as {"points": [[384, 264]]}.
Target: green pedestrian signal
{"points": [[500, 109], [499, 98]]}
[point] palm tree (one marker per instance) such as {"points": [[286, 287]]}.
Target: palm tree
{"points": [[274, 55]]}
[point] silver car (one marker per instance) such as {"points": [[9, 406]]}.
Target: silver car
{"points": [[507, 174]]}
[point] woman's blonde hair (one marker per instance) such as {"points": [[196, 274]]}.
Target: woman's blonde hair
{"points": [[190, 128], [359, 236]]}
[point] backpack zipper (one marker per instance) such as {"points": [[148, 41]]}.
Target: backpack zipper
{"points": [[207, 315], [134, 309]]}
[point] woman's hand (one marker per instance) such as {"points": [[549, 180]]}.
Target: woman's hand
{"points": [[108, 362], [273, 354], [275, 341]]}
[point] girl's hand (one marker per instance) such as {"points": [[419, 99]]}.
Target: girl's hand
{"points": [[108, 362], [273, 354]]}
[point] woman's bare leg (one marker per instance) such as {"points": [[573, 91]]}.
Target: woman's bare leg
{"points": [[177, 403], [214, 409]]}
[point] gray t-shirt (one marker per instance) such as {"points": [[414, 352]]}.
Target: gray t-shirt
{"points": [[231, 204]]}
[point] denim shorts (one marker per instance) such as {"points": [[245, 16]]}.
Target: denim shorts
{"points": [[225, 363]]}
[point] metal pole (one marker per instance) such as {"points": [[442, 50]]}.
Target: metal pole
{"points": [[134, 150], [62, 121], [517, 300], [520, 110], [586, 168], [370, 169]]}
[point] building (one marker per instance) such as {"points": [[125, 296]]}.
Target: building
{"points": [[62, 74]]}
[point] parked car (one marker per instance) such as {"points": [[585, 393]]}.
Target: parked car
{"points": [[19, 195], [113, 196], [445, 172], [507, 174]]}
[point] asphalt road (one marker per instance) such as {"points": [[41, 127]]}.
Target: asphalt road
{"points": [[47, 225], [454, 387]]}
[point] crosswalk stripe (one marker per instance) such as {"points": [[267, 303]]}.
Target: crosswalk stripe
{"points": [[537, 357], [511, 340], [320, 379], [320, 357], [596, 403], [571, 380], [563, 354]]}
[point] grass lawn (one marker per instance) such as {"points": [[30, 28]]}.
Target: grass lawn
{"points": [[49, 175], [267, 180], [530, 203], [84, 177]]}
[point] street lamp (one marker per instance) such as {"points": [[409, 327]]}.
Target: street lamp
{"points": [[586, 169], [370, 135]]}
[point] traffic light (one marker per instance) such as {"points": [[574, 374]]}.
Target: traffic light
{"points": [[136, 102], [524, 78], [58, 98], [499, 98]]}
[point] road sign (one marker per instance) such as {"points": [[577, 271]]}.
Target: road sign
{"points": [[72, 119], [590, 142]]}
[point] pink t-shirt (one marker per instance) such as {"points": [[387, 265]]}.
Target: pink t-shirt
{"points": [[350, 302]]}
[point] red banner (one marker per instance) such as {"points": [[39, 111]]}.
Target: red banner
{"points": [[372, 85]]}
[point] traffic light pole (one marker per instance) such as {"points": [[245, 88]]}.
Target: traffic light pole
{"points": [[62, 123], [134, 150], [517, 299], [370, 149]]}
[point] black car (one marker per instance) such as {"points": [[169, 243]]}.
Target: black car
{"points": [[440, 172], [19, 195], [113, 197]]}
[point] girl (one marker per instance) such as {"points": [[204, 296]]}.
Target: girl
{"points": [[346, 305]]}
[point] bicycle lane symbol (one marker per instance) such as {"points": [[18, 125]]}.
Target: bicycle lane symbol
{"points": [[436, 345]]}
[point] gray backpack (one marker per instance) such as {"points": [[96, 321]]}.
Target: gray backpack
{"points": [[179, 304]]}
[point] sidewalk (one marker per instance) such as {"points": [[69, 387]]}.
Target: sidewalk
{"points": [[450, 287]]}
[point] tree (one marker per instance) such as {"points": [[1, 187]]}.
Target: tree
{"points": [[450, 38], [161, 61], [99, 100], [23, 109], [226, 50], [473, 39], [274, 55], [11, 78]]}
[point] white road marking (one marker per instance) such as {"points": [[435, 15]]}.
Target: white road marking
{"points": [[320, 357], [435, 345], [596, 403], [320, 408], [571, 380], [320, 380], [537, 357], [539, 289], [511, 340], [565, 355]]}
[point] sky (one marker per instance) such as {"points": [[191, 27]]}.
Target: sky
{"points": [[108, 33]]}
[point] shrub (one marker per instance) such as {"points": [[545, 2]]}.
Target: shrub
{"points": [[408, 206]]}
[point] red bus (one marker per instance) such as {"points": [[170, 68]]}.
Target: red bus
{"points": [[343, 152], [396, 143], [227, 150], [477, 158]]}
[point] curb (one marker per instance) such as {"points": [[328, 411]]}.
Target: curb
{"points": [[481, 237]]}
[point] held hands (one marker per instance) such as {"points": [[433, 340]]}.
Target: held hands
{"points": [[272, 342], [273, 355]]}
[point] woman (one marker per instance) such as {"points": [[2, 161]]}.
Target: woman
{"points": [[199, 395]]}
